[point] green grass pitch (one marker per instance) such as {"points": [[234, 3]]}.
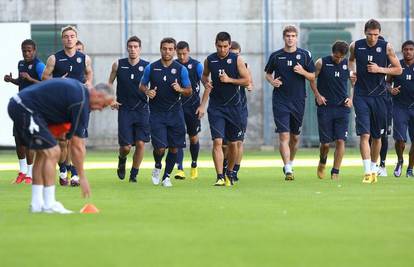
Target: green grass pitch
{"points": [[262, 221]]}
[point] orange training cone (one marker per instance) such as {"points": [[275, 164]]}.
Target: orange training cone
{"points": [[89, 208]]}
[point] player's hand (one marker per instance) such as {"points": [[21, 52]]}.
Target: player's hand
{"points": [[277, 82], [321, 100], [395, 90], [348, 102], [200, 111], [353, 77], [25, 75], [224, 78], [115, 105], [299, 69], [86, 190], [250, 87], [8, 78], [373, 67], [208, 85], [151, 93], [176, 86]]}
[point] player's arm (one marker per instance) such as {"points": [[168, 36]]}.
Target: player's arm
{"points": [[88, 72], [143, 85], [352, 64], [8, 78], [243, 80], [390, 85], [185, 89], [320, 99], [205, 80], [50, 66], [250, 86], [269, 70], [308, 73], [78, 150], [112, 76], [393, 69]]}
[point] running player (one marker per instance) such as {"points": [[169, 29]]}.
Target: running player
{"points": [[30, 72], [333, 105], [68, 63], [164, 81], [236, 49], [403, 109], [54, 102], [190, 105], [132, 105], [287, 70], [80, 47], [368, 62], [228, 72]]}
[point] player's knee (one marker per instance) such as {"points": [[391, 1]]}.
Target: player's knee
{"points": [[173, 150], [194, 139], [139, 145], [159, 151], [218, 143], [126, 148]]}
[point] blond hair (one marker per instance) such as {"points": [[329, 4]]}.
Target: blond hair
{"points": [[69, 28]]}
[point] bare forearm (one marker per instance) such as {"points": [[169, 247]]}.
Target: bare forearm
{"points": [[205, 96], [78, 151], [240, 81], [314, 88], [395, 71]]}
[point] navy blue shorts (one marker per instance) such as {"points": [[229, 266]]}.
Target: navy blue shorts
{"points": [[332, 123], [371, 115], [225, 122], [244, 117], [192, 122], [288, 116], [403, 121], [167, 129], [133, 126], [30, 128]]}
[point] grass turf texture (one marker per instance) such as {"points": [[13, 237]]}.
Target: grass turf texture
{"points": [[262, 221]]}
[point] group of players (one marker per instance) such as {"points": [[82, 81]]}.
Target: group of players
{"points": [[160, 102]]}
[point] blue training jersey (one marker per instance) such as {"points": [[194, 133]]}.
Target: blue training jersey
{"points": [[60, 101], [128, 78], [333, 81], [406, 80], [34, 68], [73, 66], [370, 84], [281, 64], [224, 94], [157, 75], [195, 70]]}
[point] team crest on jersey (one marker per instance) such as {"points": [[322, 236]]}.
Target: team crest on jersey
{"points": [[79, 60], [141, 68], [298, 57], [190, 66], [229, 61], [173, 71], [30, 66], [378, 49], [345, 67]]}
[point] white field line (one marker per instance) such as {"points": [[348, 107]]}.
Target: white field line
{"points": [[256, 163]]}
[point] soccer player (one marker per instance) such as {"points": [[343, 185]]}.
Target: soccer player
{"points": [[80, 47], [236, 49], [30, 72], [164, 81], [132, 105], [34, 110], [333, 105], [287, 70], [227, 72], [68, 63], [403, 110], [190, 105], [368, 63]]}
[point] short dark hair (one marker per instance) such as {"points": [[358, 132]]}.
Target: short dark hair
{"points": [[372, 24], [134, 39], [406, 43], [168, 40], [290, 28], [235, 46], [340, 47], [183, 45], [223, 36], [29, 42]]}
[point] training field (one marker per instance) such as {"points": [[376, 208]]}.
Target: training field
{"points": [[262, 221]]}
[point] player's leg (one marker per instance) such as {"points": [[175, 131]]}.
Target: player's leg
{"points": [[240, 151], [63, 173], [281, 115], [340, 128], [37, 202], [217, 129], [136, 160], [296, 117], [411, 153], [29, 158], [325, 129], [21, 156], [225, 149], [194, 151], [125, 139], [400, 126], [218, 157], [382, 171]]}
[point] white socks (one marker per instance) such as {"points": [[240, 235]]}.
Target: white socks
{"points": [[288, 167], [29, 170], [23, 165], [374, 167], [37, 197], [49, 196], [367, 166]]}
